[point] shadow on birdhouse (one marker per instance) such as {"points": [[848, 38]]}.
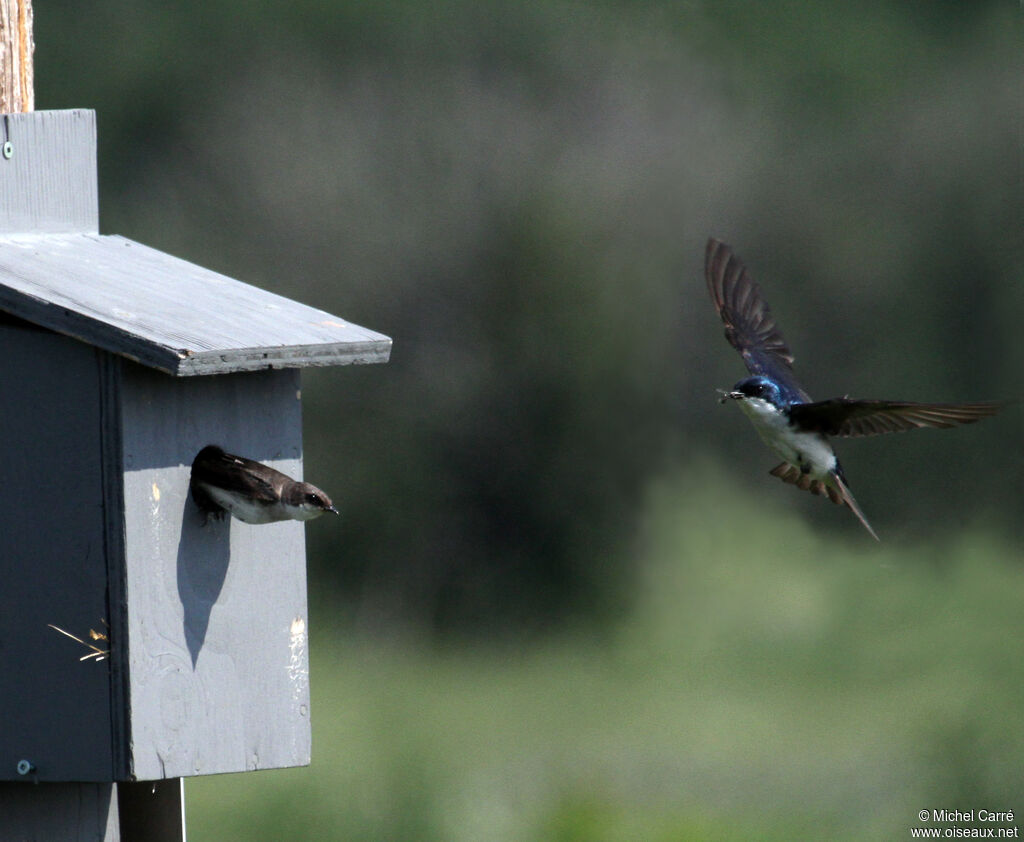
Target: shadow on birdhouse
{"points": [[221, 485], [204, 552]]}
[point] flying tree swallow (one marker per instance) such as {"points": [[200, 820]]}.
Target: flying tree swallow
{"points": [[783, 414], [251, 491]]}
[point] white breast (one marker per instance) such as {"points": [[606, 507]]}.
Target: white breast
{"points": [[808, 451], [246, 510]]}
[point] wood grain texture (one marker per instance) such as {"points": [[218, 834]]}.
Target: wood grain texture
{"points": [[17, 90], [48, 185], [167, 313], [216, 611]]}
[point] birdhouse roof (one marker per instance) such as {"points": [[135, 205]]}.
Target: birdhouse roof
{"points": [[167, 313], [58, 272]]}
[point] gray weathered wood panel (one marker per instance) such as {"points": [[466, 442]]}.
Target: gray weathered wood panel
{"points": [[48, 185], [55, 709], [168, 313], [217, 612]]}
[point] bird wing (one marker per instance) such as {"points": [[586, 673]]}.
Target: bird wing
{"points": [[849, 417], [233, 473], [749, 324]]}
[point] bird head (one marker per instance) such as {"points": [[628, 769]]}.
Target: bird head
{"points": [[308, 501], [758, 388]]}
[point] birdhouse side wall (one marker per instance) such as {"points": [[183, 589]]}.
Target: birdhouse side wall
{"points": [[216, 608], [56, 709]]}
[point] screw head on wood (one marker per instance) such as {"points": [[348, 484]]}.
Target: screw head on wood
{"points": [[8, 149], [25, 766]]}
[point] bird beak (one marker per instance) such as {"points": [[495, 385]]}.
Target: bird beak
{"points": [[736, 396], [332, 510]]}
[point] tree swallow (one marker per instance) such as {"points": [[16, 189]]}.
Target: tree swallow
{"points": [[251, 491], [783, 414]]}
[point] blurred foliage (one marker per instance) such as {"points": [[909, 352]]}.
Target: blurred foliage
{"points": [[773, 683], [519, 194]]}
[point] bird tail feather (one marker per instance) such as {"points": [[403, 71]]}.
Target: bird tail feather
{"points": [[834, 488]]}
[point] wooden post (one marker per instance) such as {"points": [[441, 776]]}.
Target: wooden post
{"points": [[16, 48]]}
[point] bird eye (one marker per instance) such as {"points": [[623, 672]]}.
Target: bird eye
{"points": [[311, 498]]}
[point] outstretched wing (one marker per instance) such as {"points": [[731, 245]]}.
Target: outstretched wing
{"points": [[749, 324], [848, 417]]}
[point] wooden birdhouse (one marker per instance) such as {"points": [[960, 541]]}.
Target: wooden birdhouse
{"points": [[119, 364]]}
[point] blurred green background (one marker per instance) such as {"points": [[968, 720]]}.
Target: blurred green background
{"points": [[565, 600]]}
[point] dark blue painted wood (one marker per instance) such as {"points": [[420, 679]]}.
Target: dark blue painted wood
{"points": [[55, 709], [70, 812]]}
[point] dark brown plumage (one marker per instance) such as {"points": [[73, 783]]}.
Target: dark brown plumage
{"points": [[847, 417], [251, 491]]}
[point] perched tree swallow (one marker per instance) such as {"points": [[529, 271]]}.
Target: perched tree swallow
{"points": [[783, 414], [251, 491]]}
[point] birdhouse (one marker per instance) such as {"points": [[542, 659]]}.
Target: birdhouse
{"points": [[120, 363]]}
